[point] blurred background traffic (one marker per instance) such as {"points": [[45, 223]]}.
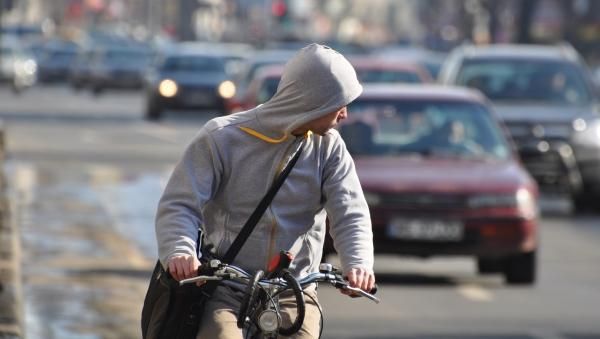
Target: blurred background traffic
{"points": [[477, 143]]}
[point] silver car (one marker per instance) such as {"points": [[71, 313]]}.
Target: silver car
{"points": [[547, 99]]}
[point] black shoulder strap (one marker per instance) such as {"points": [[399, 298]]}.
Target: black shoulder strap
{"points": [[261, 208]]}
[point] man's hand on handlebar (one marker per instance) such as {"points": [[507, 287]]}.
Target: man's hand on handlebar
{"points": [[184, 266], [360, 278]]}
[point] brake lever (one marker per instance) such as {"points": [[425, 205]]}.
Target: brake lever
{"points": [[361, 293], [199, 278]]}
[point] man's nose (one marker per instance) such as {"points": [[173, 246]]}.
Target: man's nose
{"points": [[343, 114]]}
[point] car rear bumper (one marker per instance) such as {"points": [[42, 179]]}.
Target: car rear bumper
{"points": [[482, 237], [489, 237]]}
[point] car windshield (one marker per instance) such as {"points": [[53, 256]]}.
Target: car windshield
{"points": [[254, 68], [387, 76], [267, 89], [550, 82], [424, 128], [194, 64], [59, 57]]}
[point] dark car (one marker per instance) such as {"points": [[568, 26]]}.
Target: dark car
{"points": [[546, 97], [55, 61], [188, 79], [119, 67], [80, 71], [441, 178]]}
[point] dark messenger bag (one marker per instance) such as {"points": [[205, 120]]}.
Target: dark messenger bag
{"points": [[172, 311]]}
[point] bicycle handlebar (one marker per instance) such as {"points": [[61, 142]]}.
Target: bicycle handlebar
{"points": [[236, 274], [260, 286]]}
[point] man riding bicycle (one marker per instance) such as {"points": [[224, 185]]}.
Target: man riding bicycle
{"points": [[232, 162]]}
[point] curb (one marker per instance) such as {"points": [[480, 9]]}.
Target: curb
{"points": [[11, 324]]}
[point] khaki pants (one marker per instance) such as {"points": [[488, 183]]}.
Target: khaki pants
{"points": [[219, 320]]}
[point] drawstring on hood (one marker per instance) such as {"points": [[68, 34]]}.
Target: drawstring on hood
{"points": [[315, 82]]}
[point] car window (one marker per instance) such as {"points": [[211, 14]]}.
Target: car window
{"points": [[255, 67], [549, 82], [267, 89], [425, 127], [59, 57], [193, 63], [387, 76]]}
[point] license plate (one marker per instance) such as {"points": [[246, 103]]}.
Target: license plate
{"points": [[198, 99], [425, 229]]}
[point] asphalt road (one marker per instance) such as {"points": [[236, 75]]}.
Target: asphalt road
{"points": [[85, 174]]}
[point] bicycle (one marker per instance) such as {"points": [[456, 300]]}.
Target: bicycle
{"points": [[259, 311]]}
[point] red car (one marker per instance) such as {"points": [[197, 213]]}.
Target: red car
{"points": [[260, 89], [263, 84], [441, 178]]}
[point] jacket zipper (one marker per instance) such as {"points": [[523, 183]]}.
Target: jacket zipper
{"points": [[273, 231]]}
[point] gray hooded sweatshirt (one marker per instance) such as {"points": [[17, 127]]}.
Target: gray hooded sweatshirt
{"points": [[232, 162]]}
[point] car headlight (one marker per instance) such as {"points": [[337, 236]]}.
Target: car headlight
{"points": [[522, 199], [526, 203], [226, 89], [587, 132], [167, 88], [30, 67], [372, 199]]}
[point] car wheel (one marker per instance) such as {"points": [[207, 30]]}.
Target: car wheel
{"points": [[16, 88], [520, 268], [153, 112], [583, 202], [490, 265]]}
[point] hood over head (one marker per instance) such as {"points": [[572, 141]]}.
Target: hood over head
{"points": [[315, 82]]}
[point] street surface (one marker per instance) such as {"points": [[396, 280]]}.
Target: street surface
{"points": [[85, 174]]}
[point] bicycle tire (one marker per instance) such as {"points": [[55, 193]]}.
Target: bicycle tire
{"points": [[249, 298]]}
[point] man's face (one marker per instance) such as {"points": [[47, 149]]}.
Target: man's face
{"points": [[323, 124]]}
